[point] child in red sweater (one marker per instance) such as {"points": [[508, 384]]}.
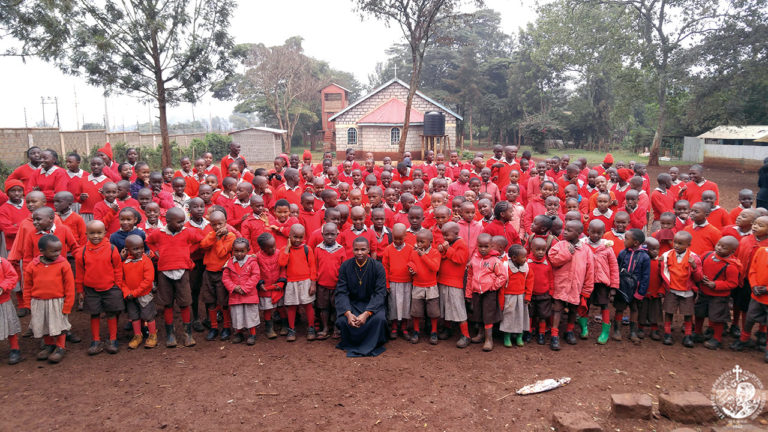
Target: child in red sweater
{"points": [[12, 213], [99, 274], [282, 224], [399, 281], [606, 279], [486, 275], [704, 234], [328, 258], [10, 327], [603, 211], [681, 270], [758, 305], [423, 265], [256, 224], [88, 191], [62, 203], [358, 229], [454, 254], [217, 244], [49, 179], [746, 198], [173, 245], [666, 232], [650, 315], [307, 214], [540, 306], [682, 213], [49, 292], [240, 278], [514, 297], [272, 284], [138, 277], [107, 209], [721, 271], [299, 263], [717, 215], [616, 234], [381, 232]]}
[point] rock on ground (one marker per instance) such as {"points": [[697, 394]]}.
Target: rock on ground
{"points": [[631, 405], [687, 407], [575, 422]]}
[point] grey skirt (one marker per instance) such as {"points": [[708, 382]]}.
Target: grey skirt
{"points": [[452, 304], [244, 316], [399, 300], [9, 322], [514, 317], [47, 319]]}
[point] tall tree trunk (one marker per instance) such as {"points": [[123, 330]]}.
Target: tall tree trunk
{"points": [[653, 157], [408, 104], [161, 103]]}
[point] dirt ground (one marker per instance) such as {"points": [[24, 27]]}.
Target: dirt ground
{"points": [[275, 385]]}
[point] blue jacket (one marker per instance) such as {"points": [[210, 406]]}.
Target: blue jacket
{"points": [[637, 262]]}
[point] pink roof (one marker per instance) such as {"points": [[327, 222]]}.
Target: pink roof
{"points": [[392, 112]]}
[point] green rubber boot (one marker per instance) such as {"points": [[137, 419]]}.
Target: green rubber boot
{"points": [[508, 340], [519, 340], [606, 331], [582, 321]]}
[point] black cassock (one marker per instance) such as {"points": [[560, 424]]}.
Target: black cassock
{"points": [[359, 290]]}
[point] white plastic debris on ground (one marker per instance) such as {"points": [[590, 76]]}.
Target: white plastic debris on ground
{"points": [[543, 385]]}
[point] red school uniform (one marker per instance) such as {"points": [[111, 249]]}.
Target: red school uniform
{"points": [[106, 214], [8, 279], [61, 231], [735, 231], [637, 218], [395, 262], [299, 263], [290, 194], [705, 237], [655, 287], [253, 227], [347, 237], [693, 191], [665, 238], [49, 281], [661, 201], [724, 272], [24, 174], [453, 263], [238, 210], [98, 266], [606, 218], [138, 276], [92, 186], [383, 240], [50, 182], [425, 267], [617, 239], [226, 161], [543, 280], [719, 217], [311, 220], [282, 232], [174, 249], [76, 224], [328, 259], [758, 274], [507, 230], [733, 214], [11, 216]]}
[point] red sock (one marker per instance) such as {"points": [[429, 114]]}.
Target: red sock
{"points": [[404, 325], [416, 322], [687, 328], [698, 325], [252, 331], [48, 340], [434, 325], [136, 327], [744, 336], [583, 312], [268, 315], [61, 340], [186, 314], [212, 318], [13, 340], [291, 316], [168, 315], [667, 327], [152, 327], [606, 316], [763, 328], [542, 327], [618, 317], [718, 329], [112, 326], [464, 329], [95, 329], [227, 318], [569, 327], [555, 331], [487, 326], [654, 327], [394, 325], [310, 311]]}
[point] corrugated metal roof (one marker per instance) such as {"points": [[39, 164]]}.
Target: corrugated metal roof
{"points": [[391, 112], [263, 129], [737, 132], [387, 84]]}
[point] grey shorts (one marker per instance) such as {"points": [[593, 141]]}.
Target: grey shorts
{"points": [[757, 312], [650, 312], [674, 303], [170, 290], [138, 312], [540, 307], [716, 309], [97, 302], [213, 291]]}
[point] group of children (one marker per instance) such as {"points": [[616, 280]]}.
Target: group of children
{"points": [[504, 243]]}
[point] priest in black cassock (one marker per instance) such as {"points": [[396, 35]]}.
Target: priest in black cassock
{"points": [[360, 298]]}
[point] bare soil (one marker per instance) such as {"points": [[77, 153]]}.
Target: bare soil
{"points": [[276, 385]]}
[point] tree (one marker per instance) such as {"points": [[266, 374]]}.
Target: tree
{"points": [[418, 20], [165, 51]]}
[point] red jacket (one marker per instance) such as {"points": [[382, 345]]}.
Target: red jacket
{"points": [[299, 263], [729, 276], [543, 280], [49, 281], [269, 271], [138, 276], [246, 277], [485, 273], [507, 230], [453, 264], [469, 231], [98, 266], [425, 266], [574, 273], [606, 266], [328, 259], [174, 250], [395, 263], [8, 279]]}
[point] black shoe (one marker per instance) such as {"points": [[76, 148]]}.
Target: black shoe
{"points": [[540, 339], [415, 337], [15, 357], [226, 334], [212, 334], [433, 338], [198, 326], [688, 341], [96, 348], [237, 338], [206, 323], [709, 332], [640, 333], [251, 340], [699, 338], [656, 335], [463, 342], [111, 347], [554, 343], [527, 337], [712, 344], [22, 312], [738, 345], [57, 355], [46, 351], [668, 339], [71, 337], [444, 334], [735, 331], [761, 339], [570, 338]]}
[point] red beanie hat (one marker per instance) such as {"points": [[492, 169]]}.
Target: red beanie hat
{"points": [[107, 150], [285, 158], [608, 158], [11, 183], [307, 154], [625, 174]]}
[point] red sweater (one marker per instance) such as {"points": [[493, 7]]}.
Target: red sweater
{"points": [[108, 216], [8, 279], [543, 282], [293, 196], [693, 192], [719, 218], [217, 250], [655, 282], [55, 181], [311, 220], [396, 263], [236, 212], [661, 202], [24, 174], [425, 266], [507, 230], [174, 250], [282, 232], [253, 227], [327, 261], [61, 231], [10, 221], [704, 238], [299, 263], [758, 273], [76, 224], [638, 218], [93, 189], [453, 264], [382, 241], [347, 238], [711, 265], [49, 281], [138, 276], [269, 271], [98, 267], [519, 282]]}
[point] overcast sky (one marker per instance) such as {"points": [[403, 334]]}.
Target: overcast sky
{"points": [[332, 31]]}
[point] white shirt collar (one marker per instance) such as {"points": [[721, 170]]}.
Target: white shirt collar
{"points": [[158, 225], [49, 172], [18, 206], [618, 234], [98, 179], [608, 213], [330, 249], [201, 225], [356, 232], [78, 174], [695, 225], [51, 231], [167, 231], [515, 269]]}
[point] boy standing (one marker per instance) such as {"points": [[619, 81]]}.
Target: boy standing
{"points": [[681, 270]]}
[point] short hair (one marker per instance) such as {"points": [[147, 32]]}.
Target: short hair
{"points": [[282, 203], [243, 240], [500, 208], [362, 240], [46, 240], [76, 156], [516, 249], [219, 208], [263, 239], [637, 234], [132, 211]]}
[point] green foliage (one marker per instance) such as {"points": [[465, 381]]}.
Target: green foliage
{"points": [[5, 171], [538, 129]]}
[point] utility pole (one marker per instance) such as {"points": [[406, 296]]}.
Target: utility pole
{"points": [[106, 115], [56, 102], [42, 103], [48, 100], [77, 115], [26, 125]]}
